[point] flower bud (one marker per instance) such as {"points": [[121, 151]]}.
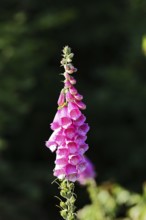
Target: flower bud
{"points": [[66, 50], [63, 193], [63, 184], [70, 68], [69, 97], [61, 99], [78, 97], [71, 216], [73, 90], [69, 194], [66, 75], [63, 205], [72, 199], [72, 80], [63, 213], [67, 84], [71, 186], [80, 104]]}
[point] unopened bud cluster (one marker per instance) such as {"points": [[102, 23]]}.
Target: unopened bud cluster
{"points": [[67, 206]]}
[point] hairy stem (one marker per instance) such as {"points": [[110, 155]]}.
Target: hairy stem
{"points": [[68, 203]]}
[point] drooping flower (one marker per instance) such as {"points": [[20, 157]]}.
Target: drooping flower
{"points": [[88, 174], [69, 128]]}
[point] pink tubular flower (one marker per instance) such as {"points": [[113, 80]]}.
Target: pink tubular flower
{"points": [[83, 148], [69, 97], [88, 173], [80, 104], [70, 68], [72, 147], [83, 129], [72, 80], [78, 97], [73, 111], [69, 131], [73, 90], [61, 99]]}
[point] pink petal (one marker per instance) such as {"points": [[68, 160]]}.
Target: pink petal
{"points": [[61, 161], [70, 132], [60, 139], [83, 148], [65, 122], [88, 173], [62, 151], [67, 84], [73, 90], [66, 75], [79, 139], [80, 120], [73, 110], [83, 129], [63, 112], [72, 177], [80, 104], [78, 97], [81, 167], [60, 117], [61, 99], [70, 169], [69, 97], [54, 125], [74, 159], [72, 147], [72, 80], [51, 145], [69, 68], [60, 173], [75, 114]]}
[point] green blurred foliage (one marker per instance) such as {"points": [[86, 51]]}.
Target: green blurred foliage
{"points": [[113, 202], [107, 38]]}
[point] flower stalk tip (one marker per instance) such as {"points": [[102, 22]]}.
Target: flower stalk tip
{"points": [[67, 56]]}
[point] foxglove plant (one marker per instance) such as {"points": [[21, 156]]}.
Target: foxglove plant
{"points": [[68, 137]]}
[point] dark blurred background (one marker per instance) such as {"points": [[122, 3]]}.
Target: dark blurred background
{"points": [[108, 39]]}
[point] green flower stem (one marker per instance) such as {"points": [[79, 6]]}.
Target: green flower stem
{"points": [[66, 187], [92, 190], [93, 194], [67, 204]]}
